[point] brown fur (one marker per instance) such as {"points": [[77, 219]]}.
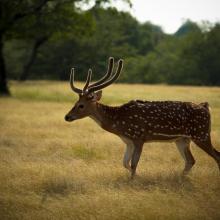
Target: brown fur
{"points": [[149, 120]]}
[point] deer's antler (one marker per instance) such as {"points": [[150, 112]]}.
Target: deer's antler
{"points": [[89, 75], [78, 91], [105, 81], [107, 75], [110, 81]]}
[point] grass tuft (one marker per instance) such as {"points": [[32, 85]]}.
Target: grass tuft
{"points": [[58, 185], [87, 154]]}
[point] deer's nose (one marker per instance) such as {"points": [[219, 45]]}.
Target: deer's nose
{"points": [[67, 118]]}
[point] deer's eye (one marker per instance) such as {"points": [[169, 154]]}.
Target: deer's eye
{"points": [[81, 106], [90, 96]]}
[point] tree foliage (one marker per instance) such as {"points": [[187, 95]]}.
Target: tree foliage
{"points": [[36, 22], [64, 36]]}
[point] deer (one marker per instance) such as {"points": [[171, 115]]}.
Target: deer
{"points": [[137, 122]]}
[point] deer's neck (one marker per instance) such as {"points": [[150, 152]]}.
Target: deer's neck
{"points": [[105, 116]]}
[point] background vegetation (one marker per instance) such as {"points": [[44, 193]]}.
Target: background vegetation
{"points": [[43, 39], [51, 169]]}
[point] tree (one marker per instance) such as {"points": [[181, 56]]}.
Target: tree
{"points": [[209, 57], [187, 27], [16, 17], [117, 34], [59, 21], [10, 13]]}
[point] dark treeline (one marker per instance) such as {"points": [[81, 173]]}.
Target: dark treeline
{"points": [[46, 45]]}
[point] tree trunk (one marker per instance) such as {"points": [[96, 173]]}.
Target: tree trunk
{"points": [[27, 66], [3, 75]]}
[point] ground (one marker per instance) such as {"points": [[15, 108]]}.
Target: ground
{"points": [[51, 169]]}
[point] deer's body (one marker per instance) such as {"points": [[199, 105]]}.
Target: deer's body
{"points": [[153, 121], [137, 122]]}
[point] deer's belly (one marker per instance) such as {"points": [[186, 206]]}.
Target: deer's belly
{"points": [[164, 137]]}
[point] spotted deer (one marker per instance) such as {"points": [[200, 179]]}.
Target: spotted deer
{"points": [[137, 122]]}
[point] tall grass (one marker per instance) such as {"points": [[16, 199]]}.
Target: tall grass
{"points": [[50, 169]]}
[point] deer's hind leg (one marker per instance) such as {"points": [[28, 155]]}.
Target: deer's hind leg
{"points": [[183, 145], [128, 155], [207, 146], [135, 158]]}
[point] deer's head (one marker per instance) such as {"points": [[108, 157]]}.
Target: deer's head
{"points": [[91, 94]]}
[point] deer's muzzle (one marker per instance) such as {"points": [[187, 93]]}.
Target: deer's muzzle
{"points": [[69, 118]]}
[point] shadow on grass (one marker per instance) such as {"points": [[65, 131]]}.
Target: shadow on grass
{"points": [[173, 182], [60, 186]]}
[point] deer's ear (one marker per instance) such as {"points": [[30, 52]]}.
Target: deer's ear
{"points": [[97, 96]]}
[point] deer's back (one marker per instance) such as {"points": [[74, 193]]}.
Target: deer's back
{"points": [[146, 120]]}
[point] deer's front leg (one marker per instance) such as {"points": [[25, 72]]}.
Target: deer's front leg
{"points": [[127, 156], [135, 158]]}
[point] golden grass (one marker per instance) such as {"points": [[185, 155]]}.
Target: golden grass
{"points": [[50, 169]]}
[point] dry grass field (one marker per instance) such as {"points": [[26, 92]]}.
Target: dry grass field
{"points": [[51, 169]]}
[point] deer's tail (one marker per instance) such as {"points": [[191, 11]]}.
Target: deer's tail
{"points": [[205, 105]]}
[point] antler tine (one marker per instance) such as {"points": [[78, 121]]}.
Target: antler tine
{"points": [[79, 91], [88, 80], [108, 73], [110, 81]]}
